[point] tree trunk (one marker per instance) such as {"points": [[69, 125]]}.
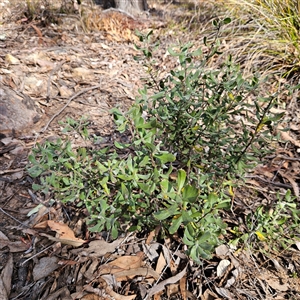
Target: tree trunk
{"points": [[132, 6]]}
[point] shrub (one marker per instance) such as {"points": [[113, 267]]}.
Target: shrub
{"points": [[180, 150]]}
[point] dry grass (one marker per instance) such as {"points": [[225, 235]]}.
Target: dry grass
{"points": [[265, 35]]}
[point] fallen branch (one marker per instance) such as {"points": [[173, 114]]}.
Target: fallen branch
{"points": [[68, 102]]}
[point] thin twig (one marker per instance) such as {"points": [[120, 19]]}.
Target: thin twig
{"points": [[2, 210], [284, 157], [31, 257], [68, 102], [277, 184], [11, 171]]}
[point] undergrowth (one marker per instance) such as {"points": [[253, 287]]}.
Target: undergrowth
{"points": [[266, 35], [180, 150]]}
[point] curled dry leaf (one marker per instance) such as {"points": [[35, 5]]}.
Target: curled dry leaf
{"points": [[65, 234], [17, 246], [209, 295], [161, 263], [222, 267]]}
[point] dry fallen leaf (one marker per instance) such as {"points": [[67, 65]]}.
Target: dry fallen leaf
{"points": [[126, 262], [11, 60], [209, 295], [65, 234], [44, 267], [90, 297], [74, 243], [225, 293], [183, 288], [150, 237], [82, 73], [222, 267], [120, 264], [161, 263], [222, 251], [17, 246], [293, 183], [159, 287], [41, 225], [145, 272], [286, 137], [99, 248], [5, 279], [275, 282], [62, 293], [115, 295]]}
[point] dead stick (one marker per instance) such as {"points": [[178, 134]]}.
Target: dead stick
{"points": [[3, 211], [68, 102]]}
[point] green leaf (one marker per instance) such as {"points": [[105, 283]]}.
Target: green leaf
{"points": [[101, 167], [215, 23], [181, 177], [126, 177], [197, 52], [144, 161], [121, 145], [68, 165], [186, 217], [114, 231], [223, 205], [176, 222], [165, 157], [172, 52], [166, 186], [66, 181], [226, 20], [212, 199], [188, 238], [190, 193], [158, 96], [103, 183], [35, 171], [276, 117], [35, 209], [204, 237], [166, 213], [144, 187]]}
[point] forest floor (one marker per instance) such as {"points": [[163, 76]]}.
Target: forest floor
{"points": [[73, 67]]}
